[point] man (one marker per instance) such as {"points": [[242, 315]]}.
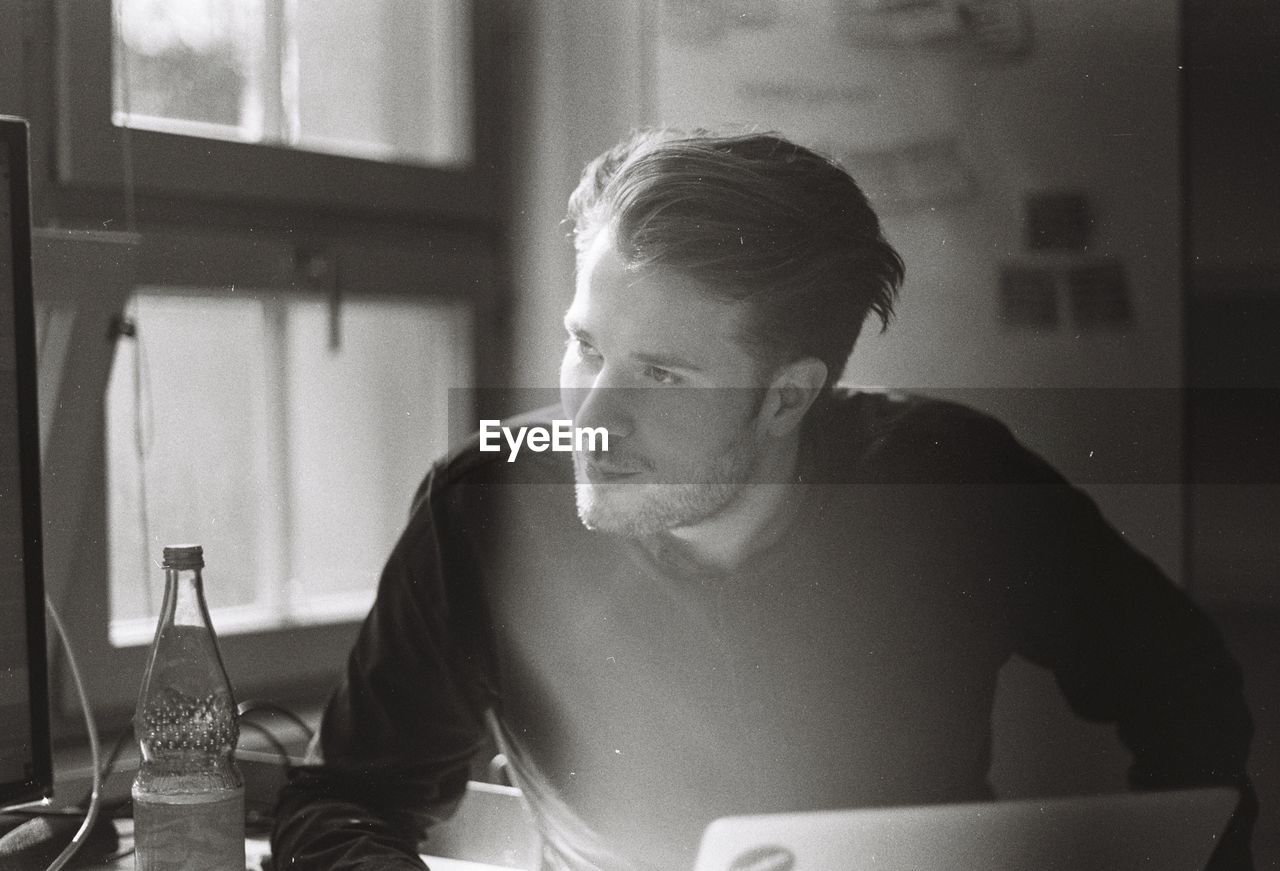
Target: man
{"points": [[765, 594]]}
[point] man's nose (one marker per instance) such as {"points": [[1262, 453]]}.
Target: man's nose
{"points": [[603, 404]]}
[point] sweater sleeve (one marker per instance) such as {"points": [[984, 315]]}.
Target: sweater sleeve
{"points": [[1124, 644], [398, 734]]}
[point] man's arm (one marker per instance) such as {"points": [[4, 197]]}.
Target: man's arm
{"points": [[398, 734], [1125, 645]]}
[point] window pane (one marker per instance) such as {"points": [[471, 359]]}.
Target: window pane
{"points": [[387, 80], [196, 413], [197, 67], [365, 421], [285, 437]]}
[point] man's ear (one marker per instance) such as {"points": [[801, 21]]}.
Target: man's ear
{"points": [[794, 388]]}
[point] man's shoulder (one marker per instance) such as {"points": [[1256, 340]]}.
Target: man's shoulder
{"points": [[870, 417], [908, 437]]}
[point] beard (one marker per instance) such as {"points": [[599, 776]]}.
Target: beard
{"points": [[641, 508]]}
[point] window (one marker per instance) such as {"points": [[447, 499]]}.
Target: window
{"points": [[385, 80], [283, 434], [318, 245], [282, 425], [384, 106]]}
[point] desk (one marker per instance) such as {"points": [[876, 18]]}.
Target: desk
{"points": [[256, 849], [491, 826]]}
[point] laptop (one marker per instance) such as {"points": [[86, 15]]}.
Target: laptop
{"points": [[1174, 830]]}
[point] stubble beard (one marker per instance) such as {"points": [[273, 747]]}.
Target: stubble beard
{"points": [[636, 509]]}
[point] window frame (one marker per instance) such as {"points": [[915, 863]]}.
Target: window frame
{"points": [[215, 234], [279, 605], [291, 662], [89, 146]]}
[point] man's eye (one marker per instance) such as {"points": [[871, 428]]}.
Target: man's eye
{"points": [[582, 349], [662, 376]]}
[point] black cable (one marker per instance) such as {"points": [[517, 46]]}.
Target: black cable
{"points": [[108, 767], [123, 854], [248, 707], [252, 705], [272, 740], [255, 820]]}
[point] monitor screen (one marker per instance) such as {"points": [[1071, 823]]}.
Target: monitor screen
{"points": [[25, 762]]}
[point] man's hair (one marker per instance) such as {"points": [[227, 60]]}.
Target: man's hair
{"points": [[755, 219]]}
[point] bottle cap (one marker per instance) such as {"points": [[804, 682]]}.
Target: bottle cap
{"points": [[184, 556]]}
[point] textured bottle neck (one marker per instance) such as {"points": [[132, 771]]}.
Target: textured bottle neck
{"points": [[186, 714]]}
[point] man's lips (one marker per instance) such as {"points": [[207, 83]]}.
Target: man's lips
{"points": [[597, 471]]}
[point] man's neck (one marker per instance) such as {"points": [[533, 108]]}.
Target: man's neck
{"points": [[756, 517]]}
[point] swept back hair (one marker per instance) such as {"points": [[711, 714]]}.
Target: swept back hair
{"points": [[755, 219]]}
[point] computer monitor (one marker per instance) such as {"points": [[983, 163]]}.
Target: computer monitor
{"points": [[26, 766]]}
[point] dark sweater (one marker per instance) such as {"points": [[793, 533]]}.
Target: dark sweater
{"points": [[852, 663]]}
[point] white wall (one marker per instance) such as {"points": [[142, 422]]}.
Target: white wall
{"points": [[1094, 109], [11, 91], [582, 70]]}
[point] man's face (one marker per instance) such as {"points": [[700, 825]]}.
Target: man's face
{"points": [[659, 364]]}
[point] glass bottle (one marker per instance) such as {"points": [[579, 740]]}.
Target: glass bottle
{"points": [[188, 797]]}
